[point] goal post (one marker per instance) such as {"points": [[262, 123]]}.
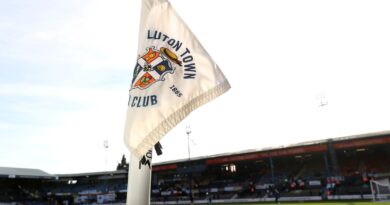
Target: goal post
{"points": [[380, 190]]}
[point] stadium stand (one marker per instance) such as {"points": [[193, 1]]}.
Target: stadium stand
{"points": [[22, 185], [326, 168], [339, 168]]}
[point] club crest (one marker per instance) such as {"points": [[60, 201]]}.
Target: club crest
{"points": [[152, 67]]}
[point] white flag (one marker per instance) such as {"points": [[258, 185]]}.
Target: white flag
{"points": [[173, 76]]}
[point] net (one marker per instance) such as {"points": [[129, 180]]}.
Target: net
{"points": [[380, 190]]}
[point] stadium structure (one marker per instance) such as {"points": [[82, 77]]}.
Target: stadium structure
{"points": [[348, 168]]}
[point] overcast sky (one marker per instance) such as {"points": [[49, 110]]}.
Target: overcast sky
{"points": [[65, 71]]}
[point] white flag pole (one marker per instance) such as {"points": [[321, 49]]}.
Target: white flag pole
{"points": [[138, 188]]}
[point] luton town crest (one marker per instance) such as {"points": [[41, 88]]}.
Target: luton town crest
{"points": [[153, 66]]}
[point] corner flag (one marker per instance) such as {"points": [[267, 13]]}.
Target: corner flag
{"points": [[173, 76]]}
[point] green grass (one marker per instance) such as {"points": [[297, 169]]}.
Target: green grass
{"points": [[318, 203], [315, 203]]}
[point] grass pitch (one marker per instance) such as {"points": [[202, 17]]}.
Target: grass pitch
{"points": [[313, 203], [330, 203]]}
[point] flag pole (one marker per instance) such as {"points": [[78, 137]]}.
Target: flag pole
{"points": [[140, 171]]}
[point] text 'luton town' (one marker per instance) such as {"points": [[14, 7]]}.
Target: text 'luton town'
{"points": [[185, 53]]}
